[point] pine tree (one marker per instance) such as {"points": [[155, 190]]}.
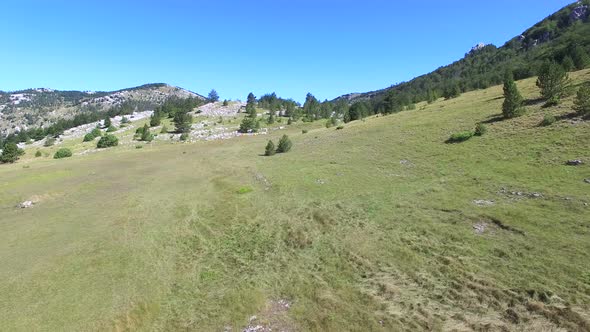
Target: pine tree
{"points": [[213, 96], [146, 135], [251, 105], [107, 122], [553, 82], [271, 118], [582, 101], [155, 119], [182, 122], [512, 106], [10, 153], [284, 144], [270, 149]]}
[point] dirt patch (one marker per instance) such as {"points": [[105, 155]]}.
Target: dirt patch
{"points": [[274, 317]]}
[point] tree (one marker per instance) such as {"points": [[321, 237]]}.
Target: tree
{"points": [[512, 106], [164, 130], [213, 96], [284, 144], [182, 122], [271, 118], [553, 82], [452, 90], [10, 153], [311, 107], [225, 103], [582, 101], [107, 122], [270, 149], [579, 57], [146, 135], [107, 141], [155, 119], [251, 105]]}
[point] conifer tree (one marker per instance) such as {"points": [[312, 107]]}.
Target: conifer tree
{"points": [[582, 101], [284, 144], [553, 82], [512, 106], [270, 149]]}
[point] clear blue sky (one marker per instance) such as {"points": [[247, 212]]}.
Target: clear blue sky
{"points": [[326, 47]]}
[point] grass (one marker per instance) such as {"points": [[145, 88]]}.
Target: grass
{"points": [[368, 228]]}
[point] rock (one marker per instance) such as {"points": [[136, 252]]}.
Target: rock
{"points": [[253, 318], [483, 202], [26, 204], [574, 162], [320, 181], [479, 228], [587, 180], [579, 13], [535, 195]]}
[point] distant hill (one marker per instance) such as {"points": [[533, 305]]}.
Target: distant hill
{"points": [[563, 37], [43, 107]]}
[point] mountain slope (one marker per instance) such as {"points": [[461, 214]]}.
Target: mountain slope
{"points": [[560, 37], [42, 107]]}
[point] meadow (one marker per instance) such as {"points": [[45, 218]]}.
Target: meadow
{"points": [[378, 226]]}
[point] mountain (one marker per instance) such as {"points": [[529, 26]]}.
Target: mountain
{"points": [[42, 107], [563, 37]]}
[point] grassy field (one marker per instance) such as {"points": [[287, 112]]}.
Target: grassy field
{"points": [[373, 227]]}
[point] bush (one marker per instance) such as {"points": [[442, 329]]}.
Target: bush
{"points": [[249, 125], [111, 129], [548, 120], [290, 121], [480, 129], [139, 146], [339, 127], [164, 130], [49, 141], [125, 120], [107, 141], [62, 153], [270, 149], [88, 137], [460, 137], [284, 144], [304, 131], [38, 154], [184, 137]]}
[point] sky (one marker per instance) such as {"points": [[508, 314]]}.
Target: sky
{"points": [[325, 47]]}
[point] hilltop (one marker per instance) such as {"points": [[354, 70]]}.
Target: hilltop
{"points": [[20, 110], [563, 37]]}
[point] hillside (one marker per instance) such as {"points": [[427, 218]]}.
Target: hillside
{"points": [[563, 37], [379, 226], [42, 107]]}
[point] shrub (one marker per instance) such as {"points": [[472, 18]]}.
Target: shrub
{"points": [[331, 122], [460, 137], [225, 103], [304, 131], [107, 141], [96, 132], [285, 144], [339, 127], [49, 141], [139, 146], [290, 121], [270, 149], [184, 137], [244, 190], [11, 153], [480, 129], [88, 137], [62, 153], [164, 130], [111, 129], [38, 153], [548, 120], [125, 120], [249, 125]]}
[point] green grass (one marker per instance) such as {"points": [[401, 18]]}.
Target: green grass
{"points": [[368, 228]]}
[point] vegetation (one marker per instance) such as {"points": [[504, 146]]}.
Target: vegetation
{"points": [[183, 121], [107, 141], [512, 106], [285, 144], [270, 149], [582, 101], [548, 120], [62, 153], [213, 96], [11, 153], [250, 123], [553, 82], [107, 122], [38, 154], [164, 130], [146, 135], [49, 141], [155, 119], [92, 135], [480, 129], [183, 137]]}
